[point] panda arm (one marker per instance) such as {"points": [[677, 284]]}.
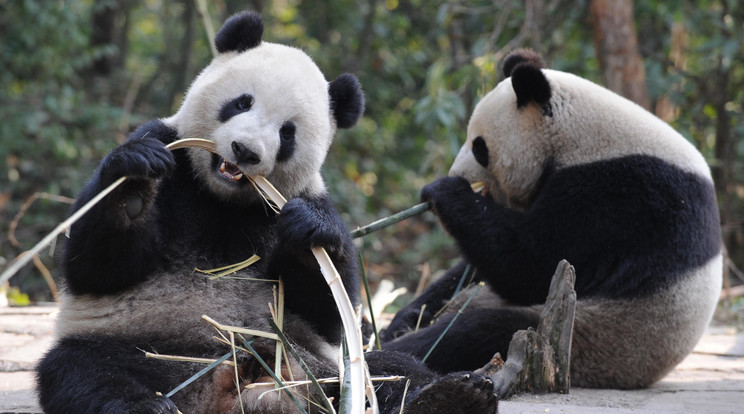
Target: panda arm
{"points": [[115, 244], [504, 245], [314, 222]]}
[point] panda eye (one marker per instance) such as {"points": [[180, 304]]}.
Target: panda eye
{"points": [[244, 103], [480, 151], [287, 142], [236, 106], [287, 131]]}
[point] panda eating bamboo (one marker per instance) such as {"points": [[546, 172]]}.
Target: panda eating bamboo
{"points": [[573, 171], [130, 283]]}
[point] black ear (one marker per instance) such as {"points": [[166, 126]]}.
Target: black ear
{"points": [[240, 32], [528, 80], [347, 100], [517, 56]]}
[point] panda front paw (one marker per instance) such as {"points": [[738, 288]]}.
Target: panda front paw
{"points": [[304, 224], [452, 199], [141, 158], [455, 393]]}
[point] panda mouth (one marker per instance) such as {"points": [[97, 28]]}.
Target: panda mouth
{"points": [[230, 171]]}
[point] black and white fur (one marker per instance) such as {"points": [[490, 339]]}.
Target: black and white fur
{"points": [[130, 283], [573, 171]]}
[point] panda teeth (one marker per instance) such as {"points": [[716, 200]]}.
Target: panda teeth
{"points": [[233, 173]]}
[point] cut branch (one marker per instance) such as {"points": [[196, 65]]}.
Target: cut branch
{"points": [[540, 361]]}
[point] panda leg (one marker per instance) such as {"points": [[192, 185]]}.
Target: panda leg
{"points": [[427, 304], [96, 375], [470, 342], [424, 391]]}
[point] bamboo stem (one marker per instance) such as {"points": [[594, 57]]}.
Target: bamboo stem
{"points": [[389, 221], [26, 257], [346, 310]]}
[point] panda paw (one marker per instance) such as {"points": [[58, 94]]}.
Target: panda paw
{"points": [[304, 224], [450, 196], [142, 158], [456, 393]]}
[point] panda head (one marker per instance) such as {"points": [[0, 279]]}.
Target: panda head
{"points": [[269, 110], [538, 120]]}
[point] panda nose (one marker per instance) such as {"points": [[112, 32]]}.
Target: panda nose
{"points": [[244, 155]]}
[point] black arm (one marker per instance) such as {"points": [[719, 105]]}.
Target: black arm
{"points": [[99, 255]]}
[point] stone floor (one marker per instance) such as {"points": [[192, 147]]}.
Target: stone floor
{"points": [[711, 380]]}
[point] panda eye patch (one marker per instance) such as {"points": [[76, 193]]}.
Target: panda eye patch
{"points": [[287, 131], [480, 151], [287, 141], [236, 106]]}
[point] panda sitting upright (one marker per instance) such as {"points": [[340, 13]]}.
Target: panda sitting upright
{"points": [[573, 171], [129, 263]]}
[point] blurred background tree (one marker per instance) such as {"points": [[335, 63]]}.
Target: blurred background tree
{"points": [[78, 75]]}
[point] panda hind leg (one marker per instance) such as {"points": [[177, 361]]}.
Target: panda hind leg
{"points": [[83, 374], [470, 341]]}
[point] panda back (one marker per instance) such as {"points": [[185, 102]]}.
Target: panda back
{"points": [[591, 123]]}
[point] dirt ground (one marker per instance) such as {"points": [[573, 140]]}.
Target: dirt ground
{"points": [[710, 380]]}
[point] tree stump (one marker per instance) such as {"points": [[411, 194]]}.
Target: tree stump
{"points": [[540, 361]]}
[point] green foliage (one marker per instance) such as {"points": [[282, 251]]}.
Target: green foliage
{"points": [[423, 65]]}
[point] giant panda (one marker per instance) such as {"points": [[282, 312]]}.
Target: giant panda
{"points": [[573, 171], [130, 284]]}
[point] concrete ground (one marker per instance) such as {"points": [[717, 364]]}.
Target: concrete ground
{"points": [[710, 380]]}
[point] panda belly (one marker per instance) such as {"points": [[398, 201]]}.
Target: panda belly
{"points": [[634, 342], [168, 307]]}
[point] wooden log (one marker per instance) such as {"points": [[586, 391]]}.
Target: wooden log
{"points": [[539, 361]]}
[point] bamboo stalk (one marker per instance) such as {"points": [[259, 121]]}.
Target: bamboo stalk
{"points": [[390, 220], [400, 216], [365, 281], [237, 329], [346, 310], [310, 375], [26, 256], [178, 358]]}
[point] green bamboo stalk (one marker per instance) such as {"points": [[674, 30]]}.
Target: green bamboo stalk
{"points": [[389, 221], [199, 374], [369, 302]]}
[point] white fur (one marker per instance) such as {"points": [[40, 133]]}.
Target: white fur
{"points": [[168, 306], [634, 343], [589, 123], [286, 86]]}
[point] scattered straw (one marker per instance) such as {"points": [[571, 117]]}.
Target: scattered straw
{"points": [[221, 272], [179, 358], [240, 330]]}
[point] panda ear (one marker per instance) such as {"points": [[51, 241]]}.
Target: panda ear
{"points": [[524, 66], [347, 100], [517, 56], [240, 32], [530, 85]]}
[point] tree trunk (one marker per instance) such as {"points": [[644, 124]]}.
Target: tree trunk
{"points": [[102, 34], [539, 361], [617, 49]]}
